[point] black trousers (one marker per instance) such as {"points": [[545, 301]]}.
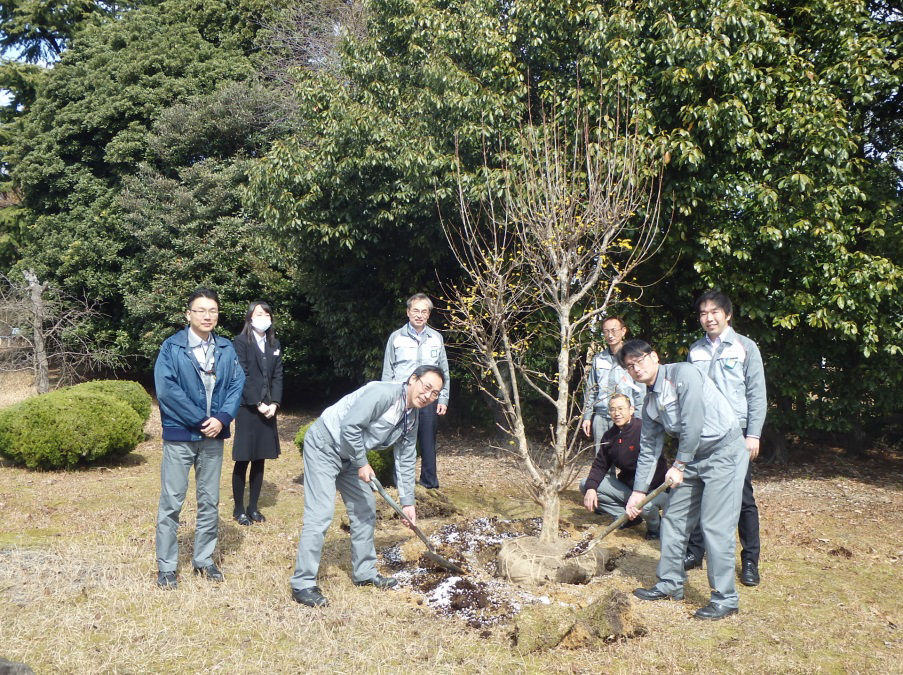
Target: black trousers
{"points": [[747, 526], [426, 441]]}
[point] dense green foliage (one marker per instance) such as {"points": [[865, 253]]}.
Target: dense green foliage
{"points": [[126, 391], [149, 159], [67, 428], [762, 111], [382, 460]]}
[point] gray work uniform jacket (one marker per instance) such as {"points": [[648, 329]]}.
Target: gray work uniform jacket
{"points": [[605, 379], [373, 417], [687, 405], [737, 370], [404, 353]]}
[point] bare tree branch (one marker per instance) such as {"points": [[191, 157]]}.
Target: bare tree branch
{"points": [[545, 248]]}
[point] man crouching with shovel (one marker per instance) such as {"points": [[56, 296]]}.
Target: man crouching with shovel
{"points": [[335, 456], [707, 476]]}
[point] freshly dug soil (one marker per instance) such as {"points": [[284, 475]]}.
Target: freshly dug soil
{"points": [[481, 599]]}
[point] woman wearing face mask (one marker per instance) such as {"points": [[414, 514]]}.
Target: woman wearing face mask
{"points": [[256, 437]]}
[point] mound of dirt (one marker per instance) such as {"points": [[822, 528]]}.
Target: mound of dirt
{"points": [[542, 627]]}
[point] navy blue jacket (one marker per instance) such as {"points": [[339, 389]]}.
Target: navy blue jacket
{"points": [[180, 390]]}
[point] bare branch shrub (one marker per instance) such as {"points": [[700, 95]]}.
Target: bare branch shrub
{"points": [[45, 330], [573, 211]]}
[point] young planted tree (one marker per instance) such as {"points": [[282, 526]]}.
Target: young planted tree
{"points": [[554, 241]]}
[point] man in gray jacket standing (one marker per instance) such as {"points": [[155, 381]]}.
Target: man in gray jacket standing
{"points": [[416, 344], [335, 456], [707, 476], [734, 363], [606, 378]]}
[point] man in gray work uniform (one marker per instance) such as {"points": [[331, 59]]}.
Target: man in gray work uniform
{"points": [[335, 456], [734, 363], [707, 476], [416, 344], [606, 378]]}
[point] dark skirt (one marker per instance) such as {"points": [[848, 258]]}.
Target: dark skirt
{"points": [[256, 436]]}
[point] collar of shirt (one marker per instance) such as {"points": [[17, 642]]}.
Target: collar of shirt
{"points": [[412, 332], [261, 340], [713, 342], [194, 340]]}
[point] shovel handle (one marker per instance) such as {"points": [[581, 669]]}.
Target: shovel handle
{"points": [[623, 518], [376, 486]]}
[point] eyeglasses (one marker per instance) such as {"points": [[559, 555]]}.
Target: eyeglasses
{"points": [[632, 366], [619, 409], [205, 312], [429, 391], [611, 331]]}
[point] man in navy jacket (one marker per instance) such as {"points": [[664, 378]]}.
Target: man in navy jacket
{"points": [[199, 384]]}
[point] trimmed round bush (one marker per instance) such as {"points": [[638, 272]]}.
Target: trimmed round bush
{"points": [[67, 428], [381, 461], [125, 390]]}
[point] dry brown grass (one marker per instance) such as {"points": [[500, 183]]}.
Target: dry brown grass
{"points": [[77, 575]]}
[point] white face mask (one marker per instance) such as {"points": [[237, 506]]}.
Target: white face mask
{"points": [[261, 323]]}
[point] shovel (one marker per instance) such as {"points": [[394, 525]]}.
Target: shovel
{"points": [[590, 543], [430, 553]]}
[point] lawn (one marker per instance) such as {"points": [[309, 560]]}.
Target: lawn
{"points": [[77, 574]]}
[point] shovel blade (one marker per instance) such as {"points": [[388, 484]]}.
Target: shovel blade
{"points": [[445, 562]]}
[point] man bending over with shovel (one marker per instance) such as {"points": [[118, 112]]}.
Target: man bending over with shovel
{"points": [[707, 476], [335, 456]]}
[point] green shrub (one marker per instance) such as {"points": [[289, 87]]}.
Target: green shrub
{"points": [[382, 461], [125, 390], [68, 427]]}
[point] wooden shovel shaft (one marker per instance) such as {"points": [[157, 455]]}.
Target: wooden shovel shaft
{"points": [[377, 486], [623, 518]]}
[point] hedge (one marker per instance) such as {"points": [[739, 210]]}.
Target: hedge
{"points": [[381, 461], [68, 427], [125, 390]]}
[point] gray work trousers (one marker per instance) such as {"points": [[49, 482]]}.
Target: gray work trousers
{"points": [[612, 495], [324, 471], [206, 456], [601, 424], [711, 493]]}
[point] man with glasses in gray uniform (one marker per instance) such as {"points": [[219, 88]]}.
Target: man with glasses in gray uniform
{"points": [[707, 476], [606, 378], [335, 456], [734, 363], [417, 344]]}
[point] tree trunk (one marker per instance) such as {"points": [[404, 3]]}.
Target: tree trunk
{"points": [[551, 510], [41, 369]]}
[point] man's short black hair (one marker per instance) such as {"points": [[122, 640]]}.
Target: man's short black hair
{"points": [[720, 299], [420, 371], [635, 347], [208, 293]]}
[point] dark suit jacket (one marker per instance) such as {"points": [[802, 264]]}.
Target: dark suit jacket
{"points": [[263, 371]]}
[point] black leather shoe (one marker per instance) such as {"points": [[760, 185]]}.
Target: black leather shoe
{"points": [[379, 581], [691, 561], [312, 597], [211, 571], [713, 611], [256, 516], [633, 522], [167, 580], [652, 535], [242, 519], [749, 573], [654, 594]]}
